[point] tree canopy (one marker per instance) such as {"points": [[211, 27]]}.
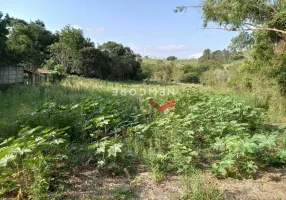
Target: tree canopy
{"points": [[243, 15], [29, 42], [67, 51], [4, 20], [171, 58]]}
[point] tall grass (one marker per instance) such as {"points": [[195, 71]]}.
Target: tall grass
{"points": [[19, 100]]}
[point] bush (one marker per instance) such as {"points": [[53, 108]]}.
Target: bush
{"points": [[171, 58]]}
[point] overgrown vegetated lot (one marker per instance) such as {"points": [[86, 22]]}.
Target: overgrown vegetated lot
{"points": [[40, 149]]}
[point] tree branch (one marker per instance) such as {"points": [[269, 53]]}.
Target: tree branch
{"points": [[249, 28], [255, 27], [184, 8]]}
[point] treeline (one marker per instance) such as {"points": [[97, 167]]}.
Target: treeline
{"points": [[221, 56], [67, 51], [261, 42], [191, 71]]}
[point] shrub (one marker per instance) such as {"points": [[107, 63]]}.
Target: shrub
{"points": [[171, 58]]}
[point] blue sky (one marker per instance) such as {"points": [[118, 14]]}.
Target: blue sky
{"points": [[149, 27]]}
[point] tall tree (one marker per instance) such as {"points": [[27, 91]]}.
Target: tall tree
{"points": [[125, 63], [94, 63], [217, 56], [244, 15], [29, 42], [241, 42], [206, 55], [65, 52], [4, 20], [171, 58]]}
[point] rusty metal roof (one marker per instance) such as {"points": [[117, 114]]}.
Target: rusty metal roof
{"points": [[42, 71], [37, 71]]}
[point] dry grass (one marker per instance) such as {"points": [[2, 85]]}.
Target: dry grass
{"points": [[269, 184]]}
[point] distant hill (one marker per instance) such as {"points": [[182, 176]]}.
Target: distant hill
{"points": [[176, 62]]}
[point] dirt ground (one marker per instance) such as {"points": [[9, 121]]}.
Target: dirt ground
{"points": [[91, 185], [270, 184]]}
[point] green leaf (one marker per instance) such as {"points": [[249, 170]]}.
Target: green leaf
{"points": [[114, 149]]}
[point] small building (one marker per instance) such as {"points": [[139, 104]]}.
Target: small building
{"points": [[46, 74], [11, 75], [37, 76], [31, 77], [19, 74]]}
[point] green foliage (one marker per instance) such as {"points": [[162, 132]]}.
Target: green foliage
{"points": [[224, 56], [19, 155], [41, 183], [74, 54], [199, 122], [94, 63], [171, 58], [169, 72], [125, 64], [197, 188], [29, 42], [113, 134], [31, 154], [65, 52], [241, 42], [3, 36], [261, 43], [243, 154], [234, 14]]}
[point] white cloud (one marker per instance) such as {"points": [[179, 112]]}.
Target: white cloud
{"points": [[149, 49], [95, 30], [77, 26], [90, 30], [171, 48], [196, 55]]}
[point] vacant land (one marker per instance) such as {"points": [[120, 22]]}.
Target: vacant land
{"points": [[95, 139]]}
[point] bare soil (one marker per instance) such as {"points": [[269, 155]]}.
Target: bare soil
{"points": [[88, 184], [269, 184], [93, 185]]}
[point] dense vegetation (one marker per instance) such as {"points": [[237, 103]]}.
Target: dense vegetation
{"points": [[80, 121], [84, 123], [65, 52]]}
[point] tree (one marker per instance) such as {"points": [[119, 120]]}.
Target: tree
{"points": [[217, 56], [171, 58], [65, 52], [29, 42], [206, 55], [263, 27], [241, 42], [226, 56], [124, 61], [244, 15], [113, 49], [4, 20], [94, 63]]}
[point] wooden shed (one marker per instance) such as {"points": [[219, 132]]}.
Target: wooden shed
{"points": [[31, 77], [46, 75], [37, 76], [18, 74], [11, 75]]}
